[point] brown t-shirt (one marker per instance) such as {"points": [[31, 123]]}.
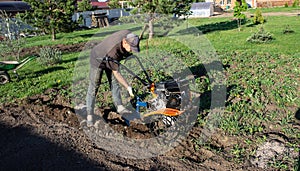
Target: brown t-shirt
{"points": [[109, 47]]}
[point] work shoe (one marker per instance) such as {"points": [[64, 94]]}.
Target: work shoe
{"points": [[86, 123], [122, 110], [80, 110], [125, 111], [89, 122]]}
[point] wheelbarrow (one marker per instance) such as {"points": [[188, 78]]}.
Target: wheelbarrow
{"points": [[6, 66]]}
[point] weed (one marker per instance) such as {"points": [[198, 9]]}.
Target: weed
{"points": [[238, 153]]}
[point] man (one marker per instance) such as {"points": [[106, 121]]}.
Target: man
{"points": [[117, 46]]}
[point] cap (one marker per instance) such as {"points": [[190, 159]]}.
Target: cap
{"points": [[133, 40]]}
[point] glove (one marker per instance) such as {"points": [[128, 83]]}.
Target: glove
{"points": [[129, 89]]}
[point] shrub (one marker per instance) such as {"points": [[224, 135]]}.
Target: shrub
{"points": [[49, 56], [261, 36], [258, 17], [286, 5], [288, 30], [295, 3]]}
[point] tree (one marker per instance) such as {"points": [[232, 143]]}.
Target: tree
{"points": [[240, 6], [114, 4], [12, 43], [84, 5], [258, 17], [183, 7], [154, 8], [51, 16]]}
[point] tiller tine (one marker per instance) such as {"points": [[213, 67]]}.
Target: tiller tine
{"points": [[165, 111]]}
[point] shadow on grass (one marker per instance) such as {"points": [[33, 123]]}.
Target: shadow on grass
{"points": [[297, 114], [21, 149], [49, 70], [198, 71], [74, 59], [102, 34], [214, 97], [207, 28], [35, 74], [224, 25]]}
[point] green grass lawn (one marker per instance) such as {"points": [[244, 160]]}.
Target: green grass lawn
{"points": [[225, 37], [262, 80]]}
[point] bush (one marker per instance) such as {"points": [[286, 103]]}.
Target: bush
{"points": [[261, 36], [258, 17], [288, 30], [286, 5], [295, 3], [49, 56]]}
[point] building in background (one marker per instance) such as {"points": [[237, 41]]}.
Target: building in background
{"points": [[202, 9], [13, 7], [229, 4], [98, 4]]}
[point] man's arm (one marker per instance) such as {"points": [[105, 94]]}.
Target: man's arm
{"points": [[120, 78]]}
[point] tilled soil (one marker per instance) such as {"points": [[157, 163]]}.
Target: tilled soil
{"points": [[43, 132]]}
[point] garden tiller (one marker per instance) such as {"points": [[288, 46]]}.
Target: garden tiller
{"points": [[6, 66], [169, 97]]}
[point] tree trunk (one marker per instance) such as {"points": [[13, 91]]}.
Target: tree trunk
{"points": [[239, 24], [53, 34], [151, 29], [143, 31]]}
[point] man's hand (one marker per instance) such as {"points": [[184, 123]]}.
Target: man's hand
{"points": [[129, 89]]}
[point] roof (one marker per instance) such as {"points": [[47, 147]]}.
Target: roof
{"points": [[100, 4], [201, 5], [14, 6]]}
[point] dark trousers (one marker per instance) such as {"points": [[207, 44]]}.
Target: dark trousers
{"points": [[94, 83]]}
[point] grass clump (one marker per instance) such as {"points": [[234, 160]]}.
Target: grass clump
{"points": [[49, 56], [261, 36]]}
